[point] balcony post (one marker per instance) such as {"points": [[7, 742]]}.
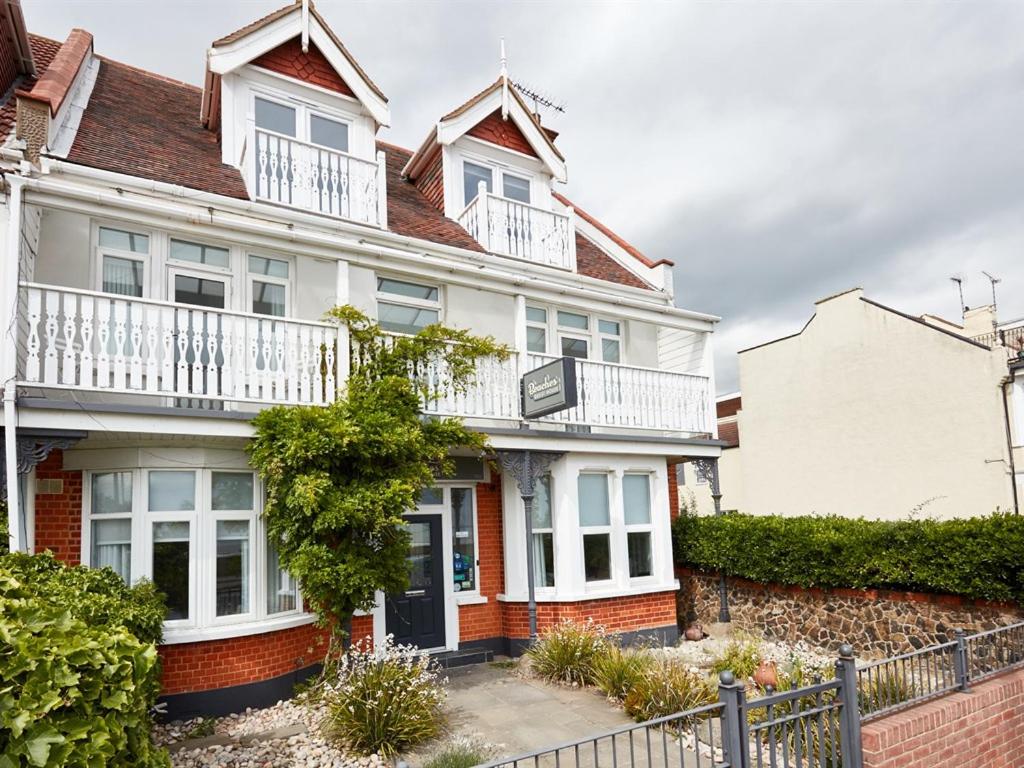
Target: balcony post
{"points": [[9, 358], [250, 158], [382, 191], [483, 216], [570, 236]]}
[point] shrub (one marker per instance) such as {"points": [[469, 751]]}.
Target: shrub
{"points": [[741, 656], [76, 685], [618, 670], [569, 652], [384, 699], [666, 688], [461, 753], [978, 557]]}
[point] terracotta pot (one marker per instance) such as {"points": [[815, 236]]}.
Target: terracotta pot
{"points": [[694, 632], [766, 674]]}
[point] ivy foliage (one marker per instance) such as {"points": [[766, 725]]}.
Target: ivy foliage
{"points": [[77, 683], [976, 557], [339, 478]]}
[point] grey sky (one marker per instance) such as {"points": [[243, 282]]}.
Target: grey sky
{"points": [[777, 153]]}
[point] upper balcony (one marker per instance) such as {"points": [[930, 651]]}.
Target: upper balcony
{"points": [[110, 347], [521, 231], [314, 178]]}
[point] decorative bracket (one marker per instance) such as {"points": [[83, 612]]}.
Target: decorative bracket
{"points": [[707, 471], [33, 450], [527, 467]]}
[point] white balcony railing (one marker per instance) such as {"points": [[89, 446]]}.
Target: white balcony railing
{"points": [[84, 340], [522, 231], [316, 179]]}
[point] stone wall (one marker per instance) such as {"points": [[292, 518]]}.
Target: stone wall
{"points": [[876, 622]]}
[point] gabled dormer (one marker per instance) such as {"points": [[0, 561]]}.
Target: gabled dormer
{"points": [[298, 116], [490, 165]]}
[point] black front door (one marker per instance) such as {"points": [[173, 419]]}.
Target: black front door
{"points": [[416, 616]]}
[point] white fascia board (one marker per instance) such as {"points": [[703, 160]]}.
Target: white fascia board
{"points": [[618, 254], [152, 424], [310, 234], [451, 130], [227, 58], [624, 446]]}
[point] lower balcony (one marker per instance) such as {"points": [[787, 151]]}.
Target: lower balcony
{"points": [[106, 347]]}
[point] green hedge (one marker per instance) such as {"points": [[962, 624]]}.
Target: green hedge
{"points": [[978, 557], [79, 672]]}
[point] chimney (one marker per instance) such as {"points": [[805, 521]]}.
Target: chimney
{"points": [[979, 321]]}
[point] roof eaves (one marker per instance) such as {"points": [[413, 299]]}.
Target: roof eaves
{"points": [[926, 324], [55, 83], [630, 249]]}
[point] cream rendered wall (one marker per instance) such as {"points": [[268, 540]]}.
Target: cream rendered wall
{"points": [[730, 482], [483, 312], [867, 412]]}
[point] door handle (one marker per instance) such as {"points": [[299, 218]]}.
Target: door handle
{"points": [[415, 592]]}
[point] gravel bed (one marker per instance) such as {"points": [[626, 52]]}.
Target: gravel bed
{"points": [[304, 750]]}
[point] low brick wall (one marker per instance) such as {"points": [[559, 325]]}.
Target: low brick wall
{"points": [[982, 729], [876, 622]]}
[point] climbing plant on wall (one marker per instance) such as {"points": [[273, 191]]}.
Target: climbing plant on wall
{"points": [[339, 478]]}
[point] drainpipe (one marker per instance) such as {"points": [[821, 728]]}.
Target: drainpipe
{"points": [[11, 467], [1004, 390]]}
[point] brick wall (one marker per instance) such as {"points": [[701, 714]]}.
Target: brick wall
{"points": [[190, 667], [616, 614], [362, 628], [983, 729], [313, 67], [59, 509], [481, 622], [504, 133], [673, 492]]}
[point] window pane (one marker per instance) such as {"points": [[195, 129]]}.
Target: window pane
{"points": [[259, 265], [111, 493], [232, 490], [232, 567], [199, 291], [636, 499], [268, 298], [609, 327], [574, 347], [399, 319], [171, 491], [515, 188], [112, 546], [639, 544], [431, 496], [593, 501], [472, 175], [122, 276], [536, 315], [610, 350], [171, 565], [464, 545], [543, 560], [281, 592], [199, 253], [573, 320], [542, 503], [125, 241], [536, 340], [328, 133], [402, 288], [275, 117], [597, 557]]}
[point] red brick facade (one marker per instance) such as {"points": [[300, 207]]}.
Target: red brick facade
{"points": [[673, 492], [983, 729], [190, 667], [615, 614], [59, 514], [313, 68], [504, 133], [481, 622]]}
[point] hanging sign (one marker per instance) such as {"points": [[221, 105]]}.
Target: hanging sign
{"points": [[549, 389]]}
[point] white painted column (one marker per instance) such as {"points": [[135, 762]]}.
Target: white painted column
{"points": [[708, 369], [519, 335], [11, 466], [9, 267], [342, 297]]}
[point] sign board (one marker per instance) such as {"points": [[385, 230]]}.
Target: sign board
{"points": [[549, 389]]}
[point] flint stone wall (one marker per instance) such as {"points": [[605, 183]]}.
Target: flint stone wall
{"points": [[877, 623]]}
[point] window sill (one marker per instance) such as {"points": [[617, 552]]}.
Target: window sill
{"points": [[227, 631], [470, 599], [602, 594]]}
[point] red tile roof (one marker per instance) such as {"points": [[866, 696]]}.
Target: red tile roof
{"points": [[53, 85], [631, 250], [592, 261], [43, 51]]}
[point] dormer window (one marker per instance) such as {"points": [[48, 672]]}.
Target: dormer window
{"points": [[301, 122], [512, 186]]}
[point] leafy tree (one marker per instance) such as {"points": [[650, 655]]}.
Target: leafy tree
{"points": [[339, 478]]}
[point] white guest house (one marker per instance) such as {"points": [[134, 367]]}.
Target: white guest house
{"points": [[168, 255]]}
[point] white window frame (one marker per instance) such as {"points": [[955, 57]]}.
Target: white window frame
{"points": [[202, 623], [603, 336], [254, 277], [546, 588], [498, 170], [537, 325], [146, 259], [594, 337], [398, 299], [585, 335], [647, 527], [608, 530], [447, 488], [174, 269], [303, 110]]}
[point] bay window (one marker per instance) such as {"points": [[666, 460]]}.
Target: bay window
{"points": [[595, 525], [197, 534], [543, 535], [636, 508]]}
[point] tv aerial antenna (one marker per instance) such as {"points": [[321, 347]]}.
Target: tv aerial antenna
{"points": [[538, 97], [994, 281], [959, 280]]}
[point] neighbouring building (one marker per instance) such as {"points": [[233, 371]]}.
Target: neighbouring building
{"points": [[168, 254], [868, 411], [695, 486]]}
